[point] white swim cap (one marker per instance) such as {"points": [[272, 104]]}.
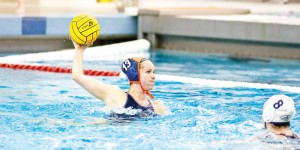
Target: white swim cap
{"points": [[279, 109]]}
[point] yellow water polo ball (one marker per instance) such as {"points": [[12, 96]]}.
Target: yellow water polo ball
{"points": [[84, 29]]}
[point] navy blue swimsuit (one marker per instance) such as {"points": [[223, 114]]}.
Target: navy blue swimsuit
{"points": [[132, 104]]}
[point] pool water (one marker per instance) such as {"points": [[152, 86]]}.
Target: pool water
{"points": [[41, 110]]}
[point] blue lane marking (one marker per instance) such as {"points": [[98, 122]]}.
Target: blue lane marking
{"points": [[34, 25]]}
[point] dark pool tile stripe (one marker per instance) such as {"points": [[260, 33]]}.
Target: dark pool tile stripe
{"points": [[34, 25], [63, 92], [4, 87]]}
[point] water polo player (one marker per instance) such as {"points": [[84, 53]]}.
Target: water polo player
{"points": [[278, 111], [140, 73]]}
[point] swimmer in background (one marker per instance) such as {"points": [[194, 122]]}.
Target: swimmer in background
{"points": [[20, 7], [278, 111], [139, 71]]}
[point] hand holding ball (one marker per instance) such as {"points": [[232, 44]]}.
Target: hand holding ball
{"points": [[84, 29]]}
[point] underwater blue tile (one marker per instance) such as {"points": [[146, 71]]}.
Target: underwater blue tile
{"points": [[34, 25], [10, 26]]}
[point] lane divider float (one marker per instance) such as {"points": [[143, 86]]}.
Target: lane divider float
{"points": [[56, 69], [196, 81]]}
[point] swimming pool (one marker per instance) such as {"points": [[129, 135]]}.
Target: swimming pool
{"points": [[50, 111]]}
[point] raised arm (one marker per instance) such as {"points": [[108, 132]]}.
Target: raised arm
{"points": [[111, 95]]}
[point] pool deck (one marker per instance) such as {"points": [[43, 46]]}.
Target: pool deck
{"points": [[243, 29], [237, 29]]}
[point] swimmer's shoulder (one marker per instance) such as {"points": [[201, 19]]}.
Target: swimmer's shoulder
{"points": [[159, 107], [293, 136], [297, 135], [116, 97]]}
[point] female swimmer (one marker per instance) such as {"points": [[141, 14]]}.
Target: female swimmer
{"points": [[278, 111], [140, 73]]}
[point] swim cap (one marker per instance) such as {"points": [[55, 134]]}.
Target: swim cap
{"points": [[279, 109], [131, 68]]}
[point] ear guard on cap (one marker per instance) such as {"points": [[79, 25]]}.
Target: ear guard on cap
{"points": [[278, 109]]}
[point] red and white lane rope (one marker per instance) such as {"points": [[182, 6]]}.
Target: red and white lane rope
{"points": [[190, 80], [56, 69]]}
